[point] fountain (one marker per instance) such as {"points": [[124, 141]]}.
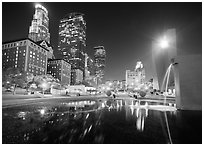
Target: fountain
{"points": [[166, 78]]}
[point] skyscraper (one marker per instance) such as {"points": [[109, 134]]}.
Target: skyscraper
{"points": [[99, 61], [72, 40], [39, 29]]}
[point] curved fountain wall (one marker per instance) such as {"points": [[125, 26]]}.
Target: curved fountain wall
{"points": [[188, 82]]}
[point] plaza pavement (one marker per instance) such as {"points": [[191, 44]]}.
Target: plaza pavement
{"points": [[10, 100]]}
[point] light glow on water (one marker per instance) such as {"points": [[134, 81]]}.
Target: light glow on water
{"points": [[155, 107], [42, 112]]}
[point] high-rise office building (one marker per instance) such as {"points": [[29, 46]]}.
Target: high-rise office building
{"points": [[99, 61], [39, 29], [72, 41]]}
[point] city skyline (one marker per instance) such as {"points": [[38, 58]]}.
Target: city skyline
{"points": [[127, 36]]}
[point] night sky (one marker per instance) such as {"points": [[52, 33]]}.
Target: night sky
{"points": [[125, 29]]}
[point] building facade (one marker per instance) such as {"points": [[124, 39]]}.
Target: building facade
{"points": [[26, 55], [60, 70], [99, 61], [48, 47], [72, 41], [135, 78], [76, 76], [89, 67], [39, 29], [87, 72], [122, 85]]}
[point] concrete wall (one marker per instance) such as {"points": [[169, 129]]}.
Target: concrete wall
{"points": [[188, 82]]}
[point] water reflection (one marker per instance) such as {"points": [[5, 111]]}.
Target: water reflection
{"points": [[91, 121], [42, 123], [137, 113], [138, 110], [22, 114]]}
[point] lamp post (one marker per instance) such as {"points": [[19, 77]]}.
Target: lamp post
{"points": [[44, 86]]}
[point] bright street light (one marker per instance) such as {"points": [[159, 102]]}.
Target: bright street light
{"points": [[163, 43], [44, 85], [42, 111], [110, 84]]}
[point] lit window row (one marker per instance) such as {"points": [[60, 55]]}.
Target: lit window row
{"points": [[14, 44]]}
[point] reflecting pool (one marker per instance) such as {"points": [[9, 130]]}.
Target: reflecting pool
{"points": [[101, 121]]}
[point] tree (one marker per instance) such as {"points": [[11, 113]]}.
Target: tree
{"points": [[25, 80], [86, 83], [45, 82], [13, 77]]}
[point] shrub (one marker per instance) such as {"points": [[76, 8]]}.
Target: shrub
{"points": [[142, 93], [108, 93]]}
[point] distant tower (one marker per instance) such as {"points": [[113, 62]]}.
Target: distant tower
{"points": [[140, 71], [39, 29], [99, 61], [136, 78], [72, 41]]}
